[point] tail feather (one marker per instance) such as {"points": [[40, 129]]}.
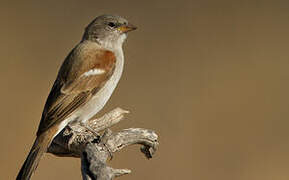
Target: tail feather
{"points": [[38, 149]]}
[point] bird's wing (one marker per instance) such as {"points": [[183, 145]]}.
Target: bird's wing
{"points": [[79, 78]]}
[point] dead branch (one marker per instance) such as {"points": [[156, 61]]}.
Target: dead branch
{"points": [[94, 150]]}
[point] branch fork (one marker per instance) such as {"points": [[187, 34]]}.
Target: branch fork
{"points": [[76, 141]]}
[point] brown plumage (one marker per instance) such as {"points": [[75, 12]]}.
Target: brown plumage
{"points": [[38, 149], [92, 69], [70, 91]]}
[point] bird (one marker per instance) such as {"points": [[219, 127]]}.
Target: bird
{"points": [[84, 83]]}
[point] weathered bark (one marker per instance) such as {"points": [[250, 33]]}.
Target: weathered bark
{"points": [[83, 141]]}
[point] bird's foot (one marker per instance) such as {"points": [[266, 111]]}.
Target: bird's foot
{"points": [[97, 136], [100, 139]]}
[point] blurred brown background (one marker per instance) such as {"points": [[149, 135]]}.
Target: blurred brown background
{"points": [[210, 77]]}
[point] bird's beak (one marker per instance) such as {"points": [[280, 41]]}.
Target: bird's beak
{"points": [[127, 28]]}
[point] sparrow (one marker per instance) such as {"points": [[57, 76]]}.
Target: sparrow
{"points": [[84, 84]]}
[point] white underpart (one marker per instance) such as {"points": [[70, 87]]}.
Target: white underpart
{"points": [[98, 101], [117, 42], [94, 72]]}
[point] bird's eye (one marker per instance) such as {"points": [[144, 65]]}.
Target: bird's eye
{"points": [[111, 24]]}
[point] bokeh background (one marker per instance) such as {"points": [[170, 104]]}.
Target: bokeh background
{"points": [[210, 77]]}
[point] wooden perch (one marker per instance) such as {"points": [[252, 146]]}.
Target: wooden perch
{"points": [[94, 150]]}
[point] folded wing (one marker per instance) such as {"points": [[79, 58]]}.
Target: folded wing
{"points": [[79, 78]]}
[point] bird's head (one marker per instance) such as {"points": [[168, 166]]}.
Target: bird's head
{"points": [[108, 30]]}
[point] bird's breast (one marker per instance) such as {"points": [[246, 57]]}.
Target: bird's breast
{"points": [[97, 102]]}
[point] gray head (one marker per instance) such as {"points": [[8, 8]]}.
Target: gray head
{"points": [[108, 30]]}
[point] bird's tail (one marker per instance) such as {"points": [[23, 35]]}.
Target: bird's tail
{"points": [[38, 149]]}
